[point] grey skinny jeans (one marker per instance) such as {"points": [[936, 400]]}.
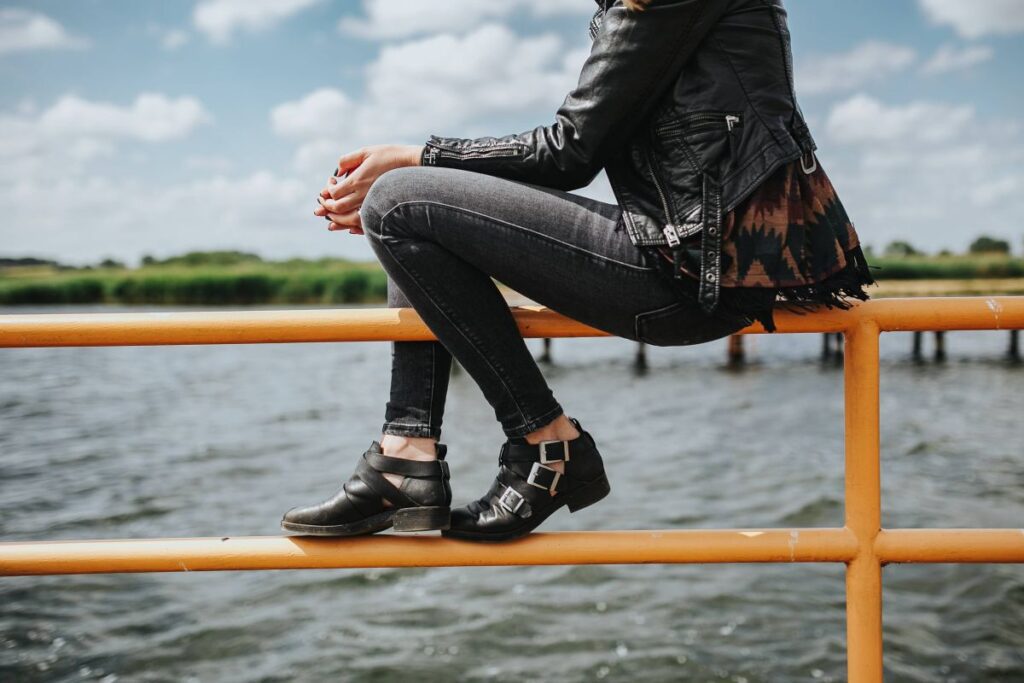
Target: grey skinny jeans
{"points": [[442, 234]]}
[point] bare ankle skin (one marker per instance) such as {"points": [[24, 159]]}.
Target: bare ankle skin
{"points": [[560, 429]]}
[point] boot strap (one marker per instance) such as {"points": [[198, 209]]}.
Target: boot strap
{"points": [[545, 452], [517, 492], [433, 469]]}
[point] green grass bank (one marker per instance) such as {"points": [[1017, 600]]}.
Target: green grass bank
{"points": [[953, 267], [196, 282], [239, 279]]}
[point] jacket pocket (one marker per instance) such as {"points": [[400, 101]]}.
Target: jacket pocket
{"points": [[681, 324], [709, 140]]}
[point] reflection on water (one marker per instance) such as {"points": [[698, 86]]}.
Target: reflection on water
{"points": [[117, 443]]}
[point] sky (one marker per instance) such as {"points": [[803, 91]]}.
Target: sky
{"points": [[131, 128]]}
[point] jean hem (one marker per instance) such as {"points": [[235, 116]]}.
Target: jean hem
{"points": [[414, 431], [536, 423]]}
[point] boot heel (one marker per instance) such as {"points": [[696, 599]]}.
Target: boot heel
{"points": [[422, 519], [589, 494]]}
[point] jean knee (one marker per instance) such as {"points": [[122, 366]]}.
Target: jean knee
{"points": [[390, 190]]}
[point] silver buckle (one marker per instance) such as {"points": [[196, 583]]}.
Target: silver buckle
{"points": [[511, 500], [531, 480], [809, 168], [545, 458]]}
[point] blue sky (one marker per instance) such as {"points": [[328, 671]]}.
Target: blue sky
{"points": [[131, 128]]}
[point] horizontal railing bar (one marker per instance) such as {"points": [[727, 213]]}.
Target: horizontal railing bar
{"points": [[953, 546], [616, 547], [355, 325], [565, 548]]}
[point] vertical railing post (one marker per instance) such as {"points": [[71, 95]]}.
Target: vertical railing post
{"points": [[863, 505]]}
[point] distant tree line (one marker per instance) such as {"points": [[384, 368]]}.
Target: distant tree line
{"points": [[198, 278], [982, 246]]}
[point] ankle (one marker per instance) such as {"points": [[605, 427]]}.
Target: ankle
{"points": [[409, 448], [560, 429]]}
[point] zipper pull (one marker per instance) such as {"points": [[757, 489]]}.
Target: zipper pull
{"points": [[731, 122], [677, 262], [672, 235]]}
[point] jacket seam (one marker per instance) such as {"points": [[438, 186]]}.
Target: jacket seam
{"points": [[746, 92]]}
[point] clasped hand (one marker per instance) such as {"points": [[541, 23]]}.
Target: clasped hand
{"points": [[344, 193]]}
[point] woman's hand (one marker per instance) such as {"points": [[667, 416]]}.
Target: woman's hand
{"points": [[343, 196]]}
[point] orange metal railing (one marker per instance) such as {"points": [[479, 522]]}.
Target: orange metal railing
{"points": [[861, 544]]}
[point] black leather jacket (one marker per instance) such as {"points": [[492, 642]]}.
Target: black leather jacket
{"points": [[688, 106]]}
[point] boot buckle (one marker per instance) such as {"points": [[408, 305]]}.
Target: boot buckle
{"points": [[548, 477], [511, 500], [546, 459]]}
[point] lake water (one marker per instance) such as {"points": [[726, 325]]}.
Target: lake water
{"points": [[219, 441]]}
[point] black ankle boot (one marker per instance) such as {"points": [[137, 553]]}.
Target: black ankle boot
{"points": [[521, 496], [422, 503]]}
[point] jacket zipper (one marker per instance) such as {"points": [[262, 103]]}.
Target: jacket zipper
{"points": [[671, 231], [731, 121], [507, 150], [701, 120]]}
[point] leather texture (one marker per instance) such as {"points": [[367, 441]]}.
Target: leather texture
{"points": [[359, 506], [688, 105], [520, 498]]}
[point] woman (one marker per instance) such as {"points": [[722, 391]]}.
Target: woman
{"points": [[722, 210]]}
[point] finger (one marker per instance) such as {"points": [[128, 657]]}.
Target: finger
{"points": [[345, 220], [326, 192], [351, 161], [331, 182], [346, 186], [338, 228], [346, 204]]}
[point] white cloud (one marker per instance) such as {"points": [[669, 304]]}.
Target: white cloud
{"points": [[70, 188], [989, 194], [173, 39], [152, 117], [24, 30], [209, 163], [100, 216], [74, 132], [870, 61], [322, 112], [864, 119], [976, 18], [403, 18], [951, 58], [921, 170], [498, 73], [220, 19]]}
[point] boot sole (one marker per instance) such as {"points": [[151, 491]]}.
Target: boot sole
{"points": [[404, 520], [423, 519], [583, 497]]}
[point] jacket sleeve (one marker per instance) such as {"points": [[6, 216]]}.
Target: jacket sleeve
{"points": [[634, 58]]}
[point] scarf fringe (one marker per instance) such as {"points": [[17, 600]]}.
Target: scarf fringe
{"points": [[836, 291]]}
